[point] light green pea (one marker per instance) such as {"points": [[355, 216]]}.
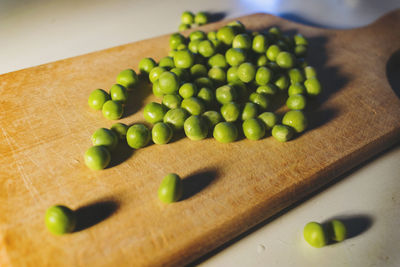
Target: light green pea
{"points": [[206, 48], [138, 136], [296, 76], [182, 27], [295, 119], [246, 72], [260, 99], [231, 75], [336, 230], [119, 93], [300, 40], [154, 112], [193, 105], [172, 101], [196, 127], [182, 74], [253, 129], [263, 75], [300, 50], [218, 60], [285, 60], [213, 117], [226, 94], [282, 133], [197, 35], [120, 129], [310, 72], [105, 137], [187, 17], [226, 34], [260, 44], [97, 157], [273, 52], [235, 56], [313, 86], [176, 39], [242, 41], [270, 119], [128, 78], [230, 111], [157, 90], [201, 18], [161, 133], [225, 132], [204, 82], [170, 189], [183, 59], [207, 96], [217, 75], [60, 220], [188, 90], [250, 110], [97, 98], [167, 63], [176, 118], [282, 82], [194, 45], [112, 110], [168, 82], [261, 60], [296, 102], [314, 234], [237, 26], [296, 89], [268, 89], [155, 73], [146, 65]]}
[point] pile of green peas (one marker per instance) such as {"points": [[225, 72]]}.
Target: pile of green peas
{"points": [[188, 19], [318, 235]]}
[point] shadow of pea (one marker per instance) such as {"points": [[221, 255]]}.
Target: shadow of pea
{"points": [[94, 213], [393, 72], [196, 182]]}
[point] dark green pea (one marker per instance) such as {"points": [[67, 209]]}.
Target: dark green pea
{"points": [[176, 118], [176, 39], [310, 72], [273, 52], [295, 119], [167, 63], [282, 133], [193, 105], [260, 99], [201, 18], [217, 75], [282, 45], [204, 82], [183, 59], [182, 27], [207, 96], [250, 110], [225, 132], [198, 70], [225, 94], [285, 60], [300, 50], [97, 98], [275, 31], [120, 129], [235, 56], [199, 59], [172, 101], [146, 65], [213, 117], [182, 74], [242, 41], [270, 119], [313, 86], [112, 110], [154, 112], [161, 133], [197, 35], [296, 76], [168, 82], [194, 45], [188, 90], [268, 89], [282, 82], [171, 188], [119, 93], [187, 17], [253, 129], [226, 34], [128, 78], [231, 75], [263, 75], [155, 73], [230, 111], [196, 127], [206, 48], [105, 137], [273, 66], [218, 60], [157, 90], [138, 136], [296, 89], [300, 40], [60, 220], [246, 72], [237, 26], [97, 157], [297, 102], [261, 60]]}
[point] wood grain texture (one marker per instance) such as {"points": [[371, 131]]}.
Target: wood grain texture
{"points": [[46, 126]]}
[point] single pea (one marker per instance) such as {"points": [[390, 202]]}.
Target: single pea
{"points": [[146, 65], [128, 78], [231, 75], [201, 18], [120, 129], [155, 73], [282, 133], [241, 91], [97, 157], [313, 86], [295, 119], [172, 101], [218, 60], [235, 56], [261, 60], [300, 39], [154, 112], [180, 47], [138, 136], [217, 75], [161, 133], [268, 89], [176, 118], [157, 90], [270, 119], [183, 59], [260, 43], [237, 26], [246, 72], [207, 96], [242, 41], [112, 110], [182, 74], [197, 35], [336, 230], [171, 188], [168, 82], [212, 35], [314, 234], [196, 127], [310, 72], [226, 34], [263, 75], [176, 39], [273, 52], [187, 17], [296, 76], [60, 220], [198, 70], [188, 90], [296, 89], [225, 132], [204, 82], [97, 98], [206, 48], [213, 118], [250, 110], [193, 105], [167, 63], [182, 27], [253, 128], [226, 94], [230, 111], [260, 99], [297, 102], [105, 137], [285, 60], [119, 93], [300, 50], [193, 46], [282, 81]]}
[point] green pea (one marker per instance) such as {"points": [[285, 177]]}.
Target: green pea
{"points": [[207, 96], [273, 52], [314, 234], [120, 129], [300, 40], [60, 220], [188, 90], [172, 101], [296, 89], [282, 81], [119, 93], [187, 17], [182, 27], [201, 18], [138, 136], [197, 35], [176, 118], [260, 99], [296, 76], [225, 132], [194, 45], [167, 63], [295, 119], [105, 137], [297, 102], [310, 72], [182, 74], [198, 70], [270, 119], [161, 133], [183, 59], [128, 78], [154, 112], [97, 157], [235, 56], [206, 48], [226, 94], [176, 39], [336, 230], [246, 72], [230, 111], [231, 75], [213, 117], [275, 31], [217, 75], [196, 127], [157, 90], [171, 188], [155, 73], [300, 50], [237, 26], [146, 65], [112, 110], [218, 60], [204, 82], [253, 129], [226, 34], [168, 82], [97, 98], [285, 60], [193, 105], [260, 44], [313, 86], [263, 75], [242, 41], [268, 89], [261, 60], [212, 35], [282, 133], [250, 110]]}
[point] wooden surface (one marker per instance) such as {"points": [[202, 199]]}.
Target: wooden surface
{"points": [[46, 127]]}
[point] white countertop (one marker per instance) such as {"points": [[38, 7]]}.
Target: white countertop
{"points": [[368, 197]]}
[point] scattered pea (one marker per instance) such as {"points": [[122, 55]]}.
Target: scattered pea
{"points": [[336, 230], [120, 129], [168, 82], [218, 60], [225, 94], [198, 70], [155, 73], [167, 63], [97, 98], [314, 234], [296, 89], [119, 93], [260, 99], [225, 132], [235, 56], [183, 59], [187, 17], [146, 65], [105, 137], [253, 129], [226, 34], [138, 136], [171, 188], [196, 127], [175, 40], [97, 157], [260, 44], [268, 89], [188, 90], [282, 133], [60, 220], [242, 41], [154, 112], [263, 75], [295, 119], [161, 133], [206, 48], [201, 18], [112, 110], [128, 78]]}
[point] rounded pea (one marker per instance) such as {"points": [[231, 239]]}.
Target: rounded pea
{"points": [[231, 75], [230, 111], [154, 112], [300, 39], [187, 17], [226, 34], [300, 50], [198, 70], [193, 105], [296, 89], [112, 110], [297, 102], [296, 76], [285, 60], [182, 27], [201, 18], [260, 99], [270, 119], [119, 129], [218, 60], [263, 75], [167, 63], [253, 129], [242, 41], [226, 94], [273, 52], [97, 98], [207, 96], [295, 119], [225, 132], [168, 82], [170, 189], [275, 31], [182, 74], [188, 90], [196, 127], [213, 117], [119, 93], [250, 110], [237, 26], [138, 136], [172, 101], [194, 45], [313, 86], [146, 65], [336, 230], [183, 59], [176, 39], [246, 72], [282, 133], [197, 35], [97, 157], [217, 75], [212, 35], [176, 118], [260, 44], [161, 133], [268, 89], [206, 48], [155, 73], [282, 82], [261, 60], [157, 90], [235, 56], [60, 220], [314, 234], [105, 137], [310, 72], [128, 78]]}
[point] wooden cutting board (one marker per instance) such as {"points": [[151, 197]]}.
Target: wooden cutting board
{"points": [[46, 126]]}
